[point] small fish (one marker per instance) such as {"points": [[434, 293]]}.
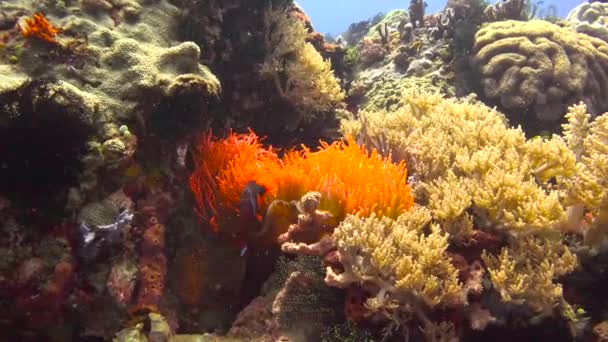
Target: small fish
{"points": [[248, 205]]}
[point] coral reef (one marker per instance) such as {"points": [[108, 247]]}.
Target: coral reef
{"points": [[539, 67], [309, 83], [590, 19], [394, 56], [509, 10], [174, 204], [465, 172], [406, 270], [102, 70]]}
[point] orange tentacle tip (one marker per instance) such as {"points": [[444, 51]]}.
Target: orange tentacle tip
{"points": [[39, 27]]}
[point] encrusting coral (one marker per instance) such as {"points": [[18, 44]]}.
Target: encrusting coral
{"points": [[298, 71], [542, 67]]}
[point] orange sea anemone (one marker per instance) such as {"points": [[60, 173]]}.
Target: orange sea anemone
{"points": [[351, 179], [225, 166], [39, 27]]}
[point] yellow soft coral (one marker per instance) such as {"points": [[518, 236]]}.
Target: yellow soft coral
{"points": [[465, 156], [351, 179], [299, 72], [524, 273], [408, 267], [588, 189]]}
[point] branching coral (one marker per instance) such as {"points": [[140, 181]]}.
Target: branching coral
{"points": [[473, 171], [406, 270], [299, 72], [525, 272], [351, 180], [464, 156], [39, 27], [538, 65], [589, 186]]}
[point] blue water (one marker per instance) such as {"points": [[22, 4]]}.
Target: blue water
{"points": [[334, 16]]}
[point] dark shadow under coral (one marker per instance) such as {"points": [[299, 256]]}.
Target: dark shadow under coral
{"points": [[41, 147]]}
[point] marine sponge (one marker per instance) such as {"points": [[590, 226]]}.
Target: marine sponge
{"points": [[408, 269], [540, 66]]}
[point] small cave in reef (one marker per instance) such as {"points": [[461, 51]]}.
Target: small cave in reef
{"points": [[42, 143]]}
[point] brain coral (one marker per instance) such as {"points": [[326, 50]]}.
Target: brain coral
{"points": [[590, 19], [540, 66]]}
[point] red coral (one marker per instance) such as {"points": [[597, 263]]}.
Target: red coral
{"points": [[39, 27]]}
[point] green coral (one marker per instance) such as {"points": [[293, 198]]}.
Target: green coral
{"points": [[540, 66]]}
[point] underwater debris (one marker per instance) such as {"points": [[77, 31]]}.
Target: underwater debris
{"points": [[39, 27]]}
